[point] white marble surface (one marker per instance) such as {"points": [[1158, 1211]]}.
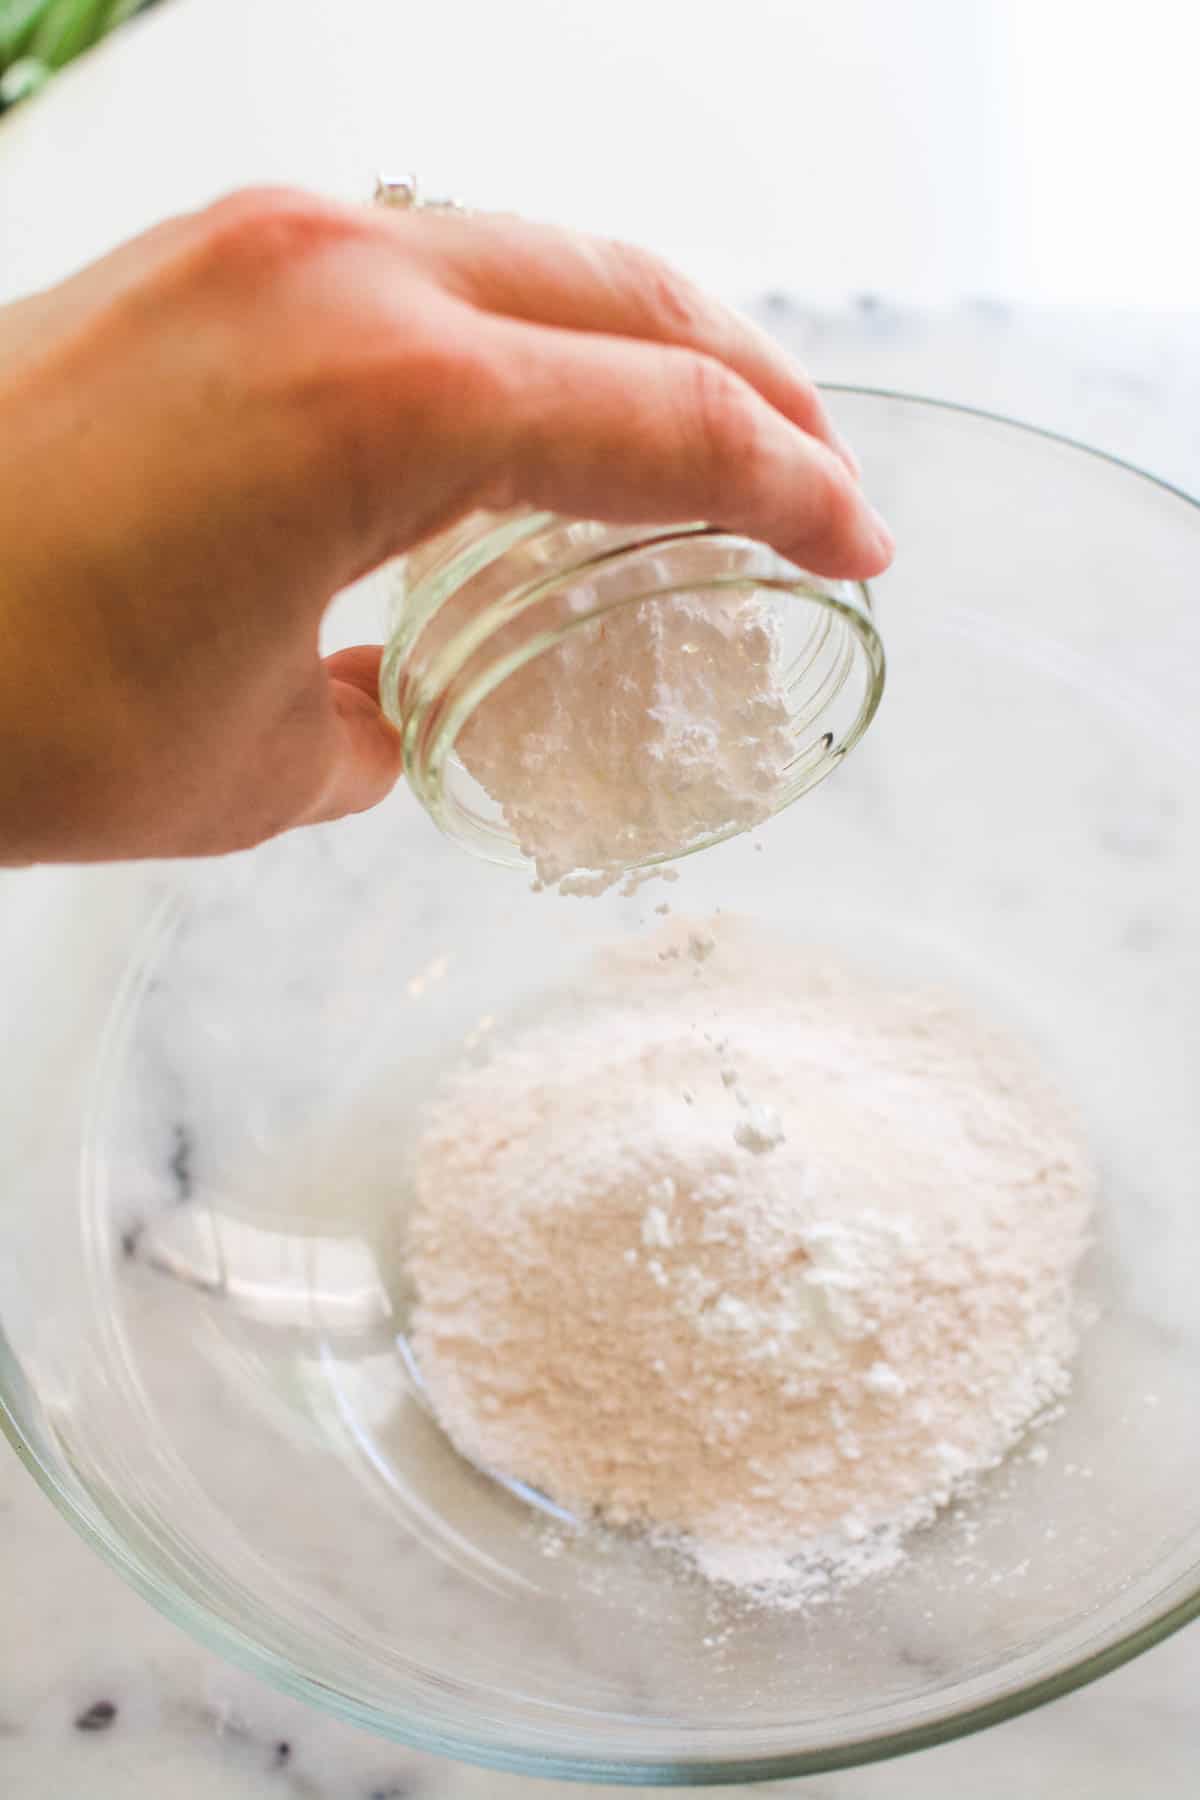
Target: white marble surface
{"points": [[184, 1725]]}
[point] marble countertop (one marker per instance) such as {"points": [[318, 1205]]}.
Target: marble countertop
{"points": [[98, 1694]]}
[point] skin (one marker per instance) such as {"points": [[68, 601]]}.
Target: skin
{"points": [[206, 435]]}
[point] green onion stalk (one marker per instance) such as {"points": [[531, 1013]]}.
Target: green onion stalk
{"points": [[39, 37]]}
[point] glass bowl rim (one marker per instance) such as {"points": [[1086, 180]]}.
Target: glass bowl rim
{"points": [[18, 1420]]}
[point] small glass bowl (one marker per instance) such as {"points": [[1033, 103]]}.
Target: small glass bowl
{"points": [[455, 602]]}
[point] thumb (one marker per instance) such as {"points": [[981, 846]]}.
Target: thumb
{"points": [[365, 761]]}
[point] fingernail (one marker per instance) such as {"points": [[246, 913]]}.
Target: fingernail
{"points": [[883, 536], [847, 455]]}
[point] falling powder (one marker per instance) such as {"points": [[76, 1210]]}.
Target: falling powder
{"points": [[778, 1327]]}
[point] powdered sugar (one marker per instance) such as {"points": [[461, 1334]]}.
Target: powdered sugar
{"points": [[781, 1354], [761, 1128], [638, 735]]}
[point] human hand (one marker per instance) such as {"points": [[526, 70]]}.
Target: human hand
{"points": [[206, 435]]}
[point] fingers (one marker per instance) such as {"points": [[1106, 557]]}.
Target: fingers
{"points": [[547, 276], [632, 433], [363, 751]]}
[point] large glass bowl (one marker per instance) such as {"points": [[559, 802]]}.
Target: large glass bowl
{"points": [[204, 1371]]}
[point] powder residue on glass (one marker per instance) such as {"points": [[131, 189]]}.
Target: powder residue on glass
{"points": [[748, 1252]]}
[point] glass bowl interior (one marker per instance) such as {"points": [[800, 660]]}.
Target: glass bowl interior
{"points": [[205, 1374]]}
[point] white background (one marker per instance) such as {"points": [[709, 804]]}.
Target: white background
{"points": [[1044, 149]]}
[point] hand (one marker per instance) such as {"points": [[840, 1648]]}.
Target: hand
{"points": [[209, 433]]}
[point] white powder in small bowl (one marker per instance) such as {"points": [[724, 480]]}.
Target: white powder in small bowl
{"points": [[779, 1323], [645, 732]]}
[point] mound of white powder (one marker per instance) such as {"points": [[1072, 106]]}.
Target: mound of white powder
{"points": [[749, 1252], [636, 736]]}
